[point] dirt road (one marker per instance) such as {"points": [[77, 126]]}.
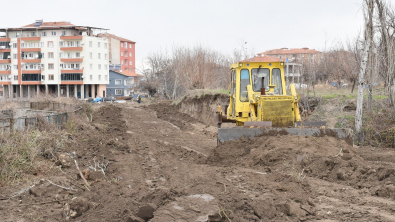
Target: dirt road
{"points": [[161, 165]]}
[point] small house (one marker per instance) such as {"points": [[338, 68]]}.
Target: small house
{"points": [[122, 83]]}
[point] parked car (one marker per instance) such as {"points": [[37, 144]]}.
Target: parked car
{"points": [[109, 99]]}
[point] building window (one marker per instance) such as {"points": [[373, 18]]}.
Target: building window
{"points": [[99, 77], [105, 77], [42, 55], [53, 33], [43, 77], [130, 63], [63, 33], [91, 77], [118, 92], [121, 53], [122, 62], [15, 77], [50, 77], [77, 55], [130, 46], [50, 44], [44, 33], [60, 44], [105, 45], [118, 82], [99, 66], [90, 43], [98, 55], [15, 66], [14, 56], [105, 56], [121, 45], [50, 55], [14, 45], [98, 44], [91, 66], [126, 45], [50, 65], [42, 44], [130, 54], [90, 55]]}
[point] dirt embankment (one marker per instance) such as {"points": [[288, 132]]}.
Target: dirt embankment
{"points": [[204, 107]]}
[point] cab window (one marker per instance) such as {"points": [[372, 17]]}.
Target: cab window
{"points": [[233, 82], [276, 80], [244, 82], [257, 75]]}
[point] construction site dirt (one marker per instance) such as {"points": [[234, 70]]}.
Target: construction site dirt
{"points": [[154, 163]]}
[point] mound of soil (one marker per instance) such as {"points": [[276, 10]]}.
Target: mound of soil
{"points": [[204, 107], [320, 157], [166, 111]]}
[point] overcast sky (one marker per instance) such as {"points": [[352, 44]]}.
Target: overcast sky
{"points": [[220, 24]]}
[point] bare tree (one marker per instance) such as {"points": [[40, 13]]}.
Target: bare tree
{"points": [[368, 37]]}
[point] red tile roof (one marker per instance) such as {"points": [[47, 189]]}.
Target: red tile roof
{"points": [[54, 24], [127, 73], [108, 35], [285, 51], [263, 59]]}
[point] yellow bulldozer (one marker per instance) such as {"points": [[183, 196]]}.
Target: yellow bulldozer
{"points": [[259, 104]]}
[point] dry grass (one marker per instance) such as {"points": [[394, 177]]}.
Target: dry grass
{"points": [[23, 153]]}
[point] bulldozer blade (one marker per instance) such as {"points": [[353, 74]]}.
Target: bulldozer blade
{"points": [[227, 134]]}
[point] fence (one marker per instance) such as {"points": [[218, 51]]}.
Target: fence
{"points": [[23, 123], [50, 106]]}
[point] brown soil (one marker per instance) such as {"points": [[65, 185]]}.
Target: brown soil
{"points": [[164, 165]]}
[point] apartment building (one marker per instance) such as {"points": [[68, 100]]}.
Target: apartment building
{"points": [[122, 51], [294, 60], [53, 57]]}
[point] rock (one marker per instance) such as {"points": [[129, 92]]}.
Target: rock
{"points": [[64, 160], [95, 175], [214, 217], [36, 191], [291, 209], [79, 205], [341, 175], [134, 219], [146, 212]]}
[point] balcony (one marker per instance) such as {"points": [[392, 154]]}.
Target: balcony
{"points": [[71, 48], [71, 37], [27, 60], [5, 49], [5, 82], [31, 49], [71, 59], [32, 38], [72, 79], [31, 71], [5, 61], [31, 79], [5, 71], [72, 71], [5, 39]]}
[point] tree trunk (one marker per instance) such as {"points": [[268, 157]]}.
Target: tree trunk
{"points": [[368, 17], [353, 85]]}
